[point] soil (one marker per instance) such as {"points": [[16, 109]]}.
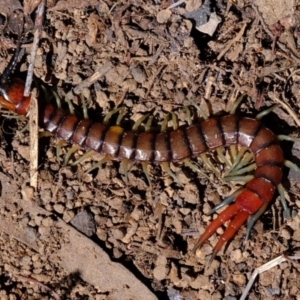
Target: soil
{"points": [[71, 233]]}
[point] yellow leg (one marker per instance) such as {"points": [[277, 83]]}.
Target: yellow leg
{"points": [[71, 151], [99, 164], [166, 168], [209, 164], [83, 157], [145, 170]]}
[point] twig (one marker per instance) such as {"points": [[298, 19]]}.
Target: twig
{"points": [[269, 32], [41, 285], [101, 71], [230, 43], [37, 35], [176, 4], [269, 265], [34, 131], [285, 106]]}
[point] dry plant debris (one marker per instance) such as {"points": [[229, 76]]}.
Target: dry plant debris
{"points": [[147, 57]]}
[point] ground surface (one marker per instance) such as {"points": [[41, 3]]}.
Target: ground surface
{"points": [[95, 236]]}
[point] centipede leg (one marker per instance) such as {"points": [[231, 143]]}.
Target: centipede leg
{"points": [[146, 172], [138, 123], [188, 115], [237, 158], [166, 168], [59, 146], [122, 113], [283, 137], [83, 157], [226, 201], [70, 152], [265, 112], [233, 153], [202, 113], [239, 168], [111, 113], [236, 104], [286, 210], [292, 166], [99, 164], [148, 124], [175, 123], [254, 218], [71, 106], [244, 170], [84, 107], [222, 156], [205, 159], [244, 178], [125, 165], [194, 167]]}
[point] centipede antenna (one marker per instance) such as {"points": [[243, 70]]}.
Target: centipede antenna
{"points": [[166, 168], [286, 210], [138, 123], [84, 107], [70, 152], [254, 218], [145, 170], [236, 104], [12, 64], [174, 120], [282, 137], [265, 112], [292, 166], [207, 162], [59, 146], [222, 156], [121, 115], [148, 124], [83, 157], [244, 178], [226, 201]]}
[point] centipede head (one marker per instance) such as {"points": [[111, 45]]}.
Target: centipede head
{"points": [[12, 98]]}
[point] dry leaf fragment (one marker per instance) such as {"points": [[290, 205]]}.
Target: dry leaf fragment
{"points": [[163, 16], [193, 5], [30, 6], [211, 26]]}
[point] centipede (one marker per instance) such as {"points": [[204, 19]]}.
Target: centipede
{"points": [[175, 145]]}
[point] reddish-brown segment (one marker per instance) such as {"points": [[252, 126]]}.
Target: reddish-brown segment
{"points": [[173, 146]]}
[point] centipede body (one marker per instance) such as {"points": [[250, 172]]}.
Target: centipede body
{"points": [[172, 146]]}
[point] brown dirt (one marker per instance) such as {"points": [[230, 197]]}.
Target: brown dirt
{"points": [[95, 236]]}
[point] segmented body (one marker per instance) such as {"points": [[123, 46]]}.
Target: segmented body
{"points": [[173, 146]]}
